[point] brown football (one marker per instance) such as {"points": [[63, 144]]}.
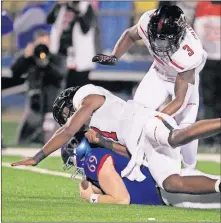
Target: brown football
{"points": [[85, 184]]}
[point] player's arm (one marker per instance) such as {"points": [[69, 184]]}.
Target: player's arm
{"points": [[126, 41], [114, 187], [64, 134], [96, 138], [183, 89]]}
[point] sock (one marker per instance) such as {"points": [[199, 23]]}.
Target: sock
{"points": [[189, 152], [218, 186]]}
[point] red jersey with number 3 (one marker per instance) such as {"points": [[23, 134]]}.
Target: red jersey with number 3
{"points": [[189, 55]]}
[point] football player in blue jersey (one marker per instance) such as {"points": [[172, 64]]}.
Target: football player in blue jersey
{"points": [[102, 168], [104, 184]]}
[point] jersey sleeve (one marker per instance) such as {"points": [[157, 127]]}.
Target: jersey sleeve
{"points": [[143, 23], [191, 55], [94, 162], [83, 92]]}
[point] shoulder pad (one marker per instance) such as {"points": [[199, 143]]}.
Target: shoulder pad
{"points": [[190, 55]]}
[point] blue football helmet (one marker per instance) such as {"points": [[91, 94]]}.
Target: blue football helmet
{"points": [[73, 154]]}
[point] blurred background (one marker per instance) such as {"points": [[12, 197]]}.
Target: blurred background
{"points": [[48, 45]]}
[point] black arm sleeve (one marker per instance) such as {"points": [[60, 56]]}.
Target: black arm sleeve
{"points": [[21, 66], [87, 20], [52, 15]]}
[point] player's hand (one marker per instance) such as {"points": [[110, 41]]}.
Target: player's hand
{"points": [[86, 190], [26, 162], [104, 59], [92, 136]]}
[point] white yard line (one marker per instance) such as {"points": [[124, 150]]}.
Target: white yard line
{"points": [[27, 152], [209, 157], [30, 152], [40, 170]]}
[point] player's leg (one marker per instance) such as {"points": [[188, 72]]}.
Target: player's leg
{"points": [[200, 129], [162, 130], [185, 119], [159, 128], [204, 201], [151, 91], [166, 172], [193, 201], [191, 184], [191, 172]]}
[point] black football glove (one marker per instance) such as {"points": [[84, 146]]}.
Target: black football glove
{"points": [[105, 60]]}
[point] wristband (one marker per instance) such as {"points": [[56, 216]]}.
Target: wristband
{"points": [[39, 156], [94, 198]]}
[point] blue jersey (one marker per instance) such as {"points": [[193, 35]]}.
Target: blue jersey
{"points": [[144, 192]]}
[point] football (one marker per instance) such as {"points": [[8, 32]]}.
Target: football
{"points": [[84, 184]]}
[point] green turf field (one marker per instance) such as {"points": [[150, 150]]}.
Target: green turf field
{"points": [[9, 131], [34, 197]]}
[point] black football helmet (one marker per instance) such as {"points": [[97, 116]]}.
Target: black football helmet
{"points": [[166, 29], [64, 101]]}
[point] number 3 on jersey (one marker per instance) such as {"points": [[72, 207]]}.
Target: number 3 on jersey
{"points": [[189, 50]]}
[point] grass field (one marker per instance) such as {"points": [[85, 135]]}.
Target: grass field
{"points": [[9, 131], [33, 197]]}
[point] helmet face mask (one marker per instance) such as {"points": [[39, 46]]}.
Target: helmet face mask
{"points": [[73, 155], [165, 45], [67, 113], [166, 30], [79, 165]]}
